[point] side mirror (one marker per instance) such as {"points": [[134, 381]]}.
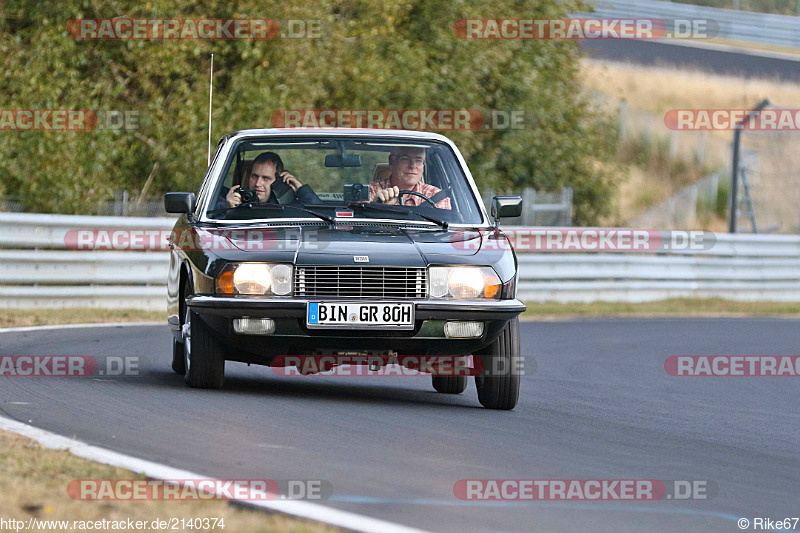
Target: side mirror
{"points": [[506, 207], [179, 202]]}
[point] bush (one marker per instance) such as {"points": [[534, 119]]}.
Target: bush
{"points": [[392, 55]]}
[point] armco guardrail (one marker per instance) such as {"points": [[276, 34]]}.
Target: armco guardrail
{"points": [[37, 271], [736, 25], [27, 230]]}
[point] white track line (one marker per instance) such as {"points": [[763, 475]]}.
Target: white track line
{"points": [[301, 509], [75, 326]]}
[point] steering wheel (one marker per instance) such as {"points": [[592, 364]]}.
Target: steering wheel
{"points": [[415, 193]]}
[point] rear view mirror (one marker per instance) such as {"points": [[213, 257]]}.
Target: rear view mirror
{"points": [[179, 202], [343, 160], [506, 207]]}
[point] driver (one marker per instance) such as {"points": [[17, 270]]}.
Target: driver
{"points": [[263, 175], [406, 165]]}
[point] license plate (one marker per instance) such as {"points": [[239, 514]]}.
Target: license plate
{"points": [[360, 315]]}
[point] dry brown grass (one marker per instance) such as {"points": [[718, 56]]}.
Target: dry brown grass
{"points": [[638, 192], [660, 89], [649, 92], [12, 318], [33, 481]]}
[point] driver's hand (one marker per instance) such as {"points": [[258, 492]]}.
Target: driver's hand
{"points": [[389, 196], [291, 181], [233, 197]]}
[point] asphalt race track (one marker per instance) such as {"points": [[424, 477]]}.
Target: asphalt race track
{"points": [[731, 62], [599, 405]]}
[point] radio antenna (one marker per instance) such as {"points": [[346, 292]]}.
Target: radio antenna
{"points": [[210, 93]]}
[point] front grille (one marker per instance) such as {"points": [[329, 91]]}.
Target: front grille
{"points": [[360, 282]]}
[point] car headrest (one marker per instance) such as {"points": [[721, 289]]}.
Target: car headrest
{"points": [[381, 171]]}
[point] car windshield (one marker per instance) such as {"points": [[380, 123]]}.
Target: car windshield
{"points": [[335, 177]]}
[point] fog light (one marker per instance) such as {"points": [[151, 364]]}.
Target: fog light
{"points": [[254, 326], [463, 330]]}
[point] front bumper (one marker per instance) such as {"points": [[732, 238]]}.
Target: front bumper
{"points": [[291, 335]]}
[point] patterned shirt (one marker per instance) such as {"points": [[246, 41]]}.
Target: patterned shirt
{"points": [[409, 199]]}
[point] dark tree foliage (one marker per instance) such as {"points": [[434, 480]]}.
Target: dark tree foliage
{"points": [[393, 54]]}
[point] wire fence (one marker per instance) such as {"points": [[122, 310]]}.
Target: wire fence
{"points": [[769, 182], [11, 204], [768, 188], [711, 149], [680, 211], [121, 206]]}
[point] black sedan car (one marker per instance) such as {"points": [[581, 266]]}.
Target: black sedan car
{"points": [[359, 246]]}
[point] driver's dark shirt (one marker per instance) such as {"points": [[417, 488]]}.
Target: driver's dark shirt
{"points": [[409, 199]]}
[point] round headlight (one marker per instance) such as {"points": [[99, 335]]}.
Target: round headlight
{"points": [[438, 281], [466, 282], [281, 280], [252, 278]]}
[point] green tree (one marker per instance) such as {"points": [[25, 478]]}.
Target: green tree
{"points": [[394, 54]]}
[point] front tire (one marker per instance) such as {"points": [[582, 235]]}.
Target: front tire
{"points": [[204, 355], [498, 382], [178, 358]]}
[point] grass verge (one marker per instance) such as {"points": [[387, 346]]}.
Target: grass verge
{"points": [[675, 307], [34, 481], [13, 318], [658, 162], [659, 89]]}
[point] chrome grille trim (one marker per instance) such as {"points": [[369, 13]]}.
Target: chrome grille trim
{"points": [[360, 282]]}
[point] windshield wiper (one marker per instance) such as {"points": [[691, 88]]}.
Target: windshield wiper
{"points": [[326, 218], [397, 209]]}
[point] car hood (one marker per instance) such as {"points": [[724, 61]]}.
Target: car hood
{"points": [[381, 244]]}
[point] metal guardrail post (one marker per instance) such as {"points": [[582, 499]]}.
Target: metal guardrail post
{"points": [[737, 134]]}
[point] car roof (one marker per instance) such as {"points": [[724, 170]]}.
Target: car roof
{"points": [[346, 132]]}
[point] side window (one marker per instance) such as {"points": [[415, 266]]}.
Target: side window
{"points": [[206, 185], [230, 175], [449, 174]]}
